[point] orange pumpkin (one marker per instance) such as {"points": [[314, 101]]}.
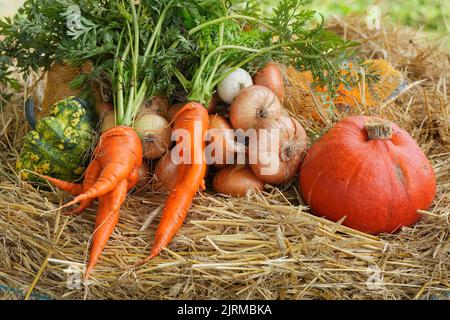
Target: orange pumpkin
{"points": [[370, 171]]}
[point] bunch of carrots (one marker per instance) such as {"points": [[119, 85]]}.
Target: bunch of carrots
{"points": [[199, 49]]}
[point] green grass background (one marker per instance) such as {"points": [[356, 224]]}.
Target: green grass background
{"points": [[431, 15]]}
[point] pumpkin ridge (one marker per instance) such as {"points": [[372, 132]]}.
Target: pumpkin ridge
{"points": [[397, 166], [393, 164], [313, 187], [405, 187], [358, 166], [355, 174], [389, 161]]}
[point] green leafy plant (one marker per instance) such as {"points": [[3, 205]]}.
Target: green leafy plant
{"points": [[143, 48], [294, 35]]}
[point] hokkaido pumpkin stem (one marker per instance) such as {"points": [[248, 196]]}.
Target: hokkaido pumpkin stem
{"points": [[379, 130]]}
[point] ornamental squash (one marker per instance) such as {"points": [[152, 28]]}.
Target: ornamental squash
{"points": [[369, 171], [60, 142]]}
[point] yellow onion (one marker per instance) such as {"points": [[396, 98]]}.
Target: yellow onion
{"points": [[158, 105], [254, 107], [270, 76], [221, 134], [286, 159], [155, 134], [165, 172], [108, 121], [236, 180], [103, 108], [144, 175]]}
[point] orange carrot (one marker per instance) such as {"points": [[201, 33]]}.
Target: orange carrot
{"points": [[117, 154], [189, 176], [72, 188], [110, 175], [90, 177], [105, 222]]}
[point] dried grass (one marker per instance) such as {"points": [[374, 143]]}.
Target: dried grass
{"points": [[265, 246]]}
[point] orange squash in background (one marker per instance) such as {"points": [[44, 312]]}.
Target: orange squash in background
{"points": [[304, 99], [370, 171], [56, 86]]}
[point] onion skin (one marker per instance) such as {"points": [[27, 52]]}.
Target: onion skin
{"points": [[144, 176], [155, 134], [212, 104], [236, 181], [230, 87], [255, 107], [270, 76], [103, 108], [292, 147], [157, 105], [165, 173], [220, 131], [108, 121], [173, 111]]}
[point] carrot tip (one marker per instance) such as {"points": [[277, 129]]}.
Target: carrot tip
{"points": [[154, 253], [79, 209], [88, 273], [140, 263]]}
